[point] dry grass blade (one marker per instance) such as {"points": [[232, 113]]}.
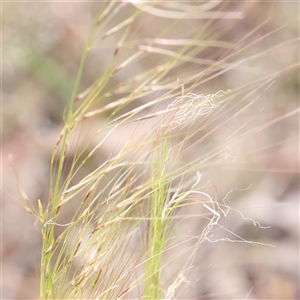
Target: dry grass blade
{"points": [[133, 197]]}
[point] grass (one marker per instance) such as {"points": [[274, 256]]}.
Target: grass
{"points": [[108, 224]]}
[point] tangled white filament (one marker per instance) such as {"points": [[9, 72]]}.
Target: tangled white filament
{"points": [[192, 105]]}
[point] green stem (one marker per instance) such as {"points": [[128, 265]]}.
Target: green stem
{"points": [[48, 235], [157, 226]]}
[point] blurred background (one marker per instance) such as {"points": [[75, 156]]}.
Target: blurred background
{"points": [[42, 43]]}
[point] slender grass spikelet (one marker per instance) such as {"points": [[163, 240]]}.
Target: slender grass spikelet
{"points": [[158, 162]]}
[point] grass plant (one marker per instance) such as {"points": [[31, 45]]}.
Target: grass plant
{"points": [[110, 217]]}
